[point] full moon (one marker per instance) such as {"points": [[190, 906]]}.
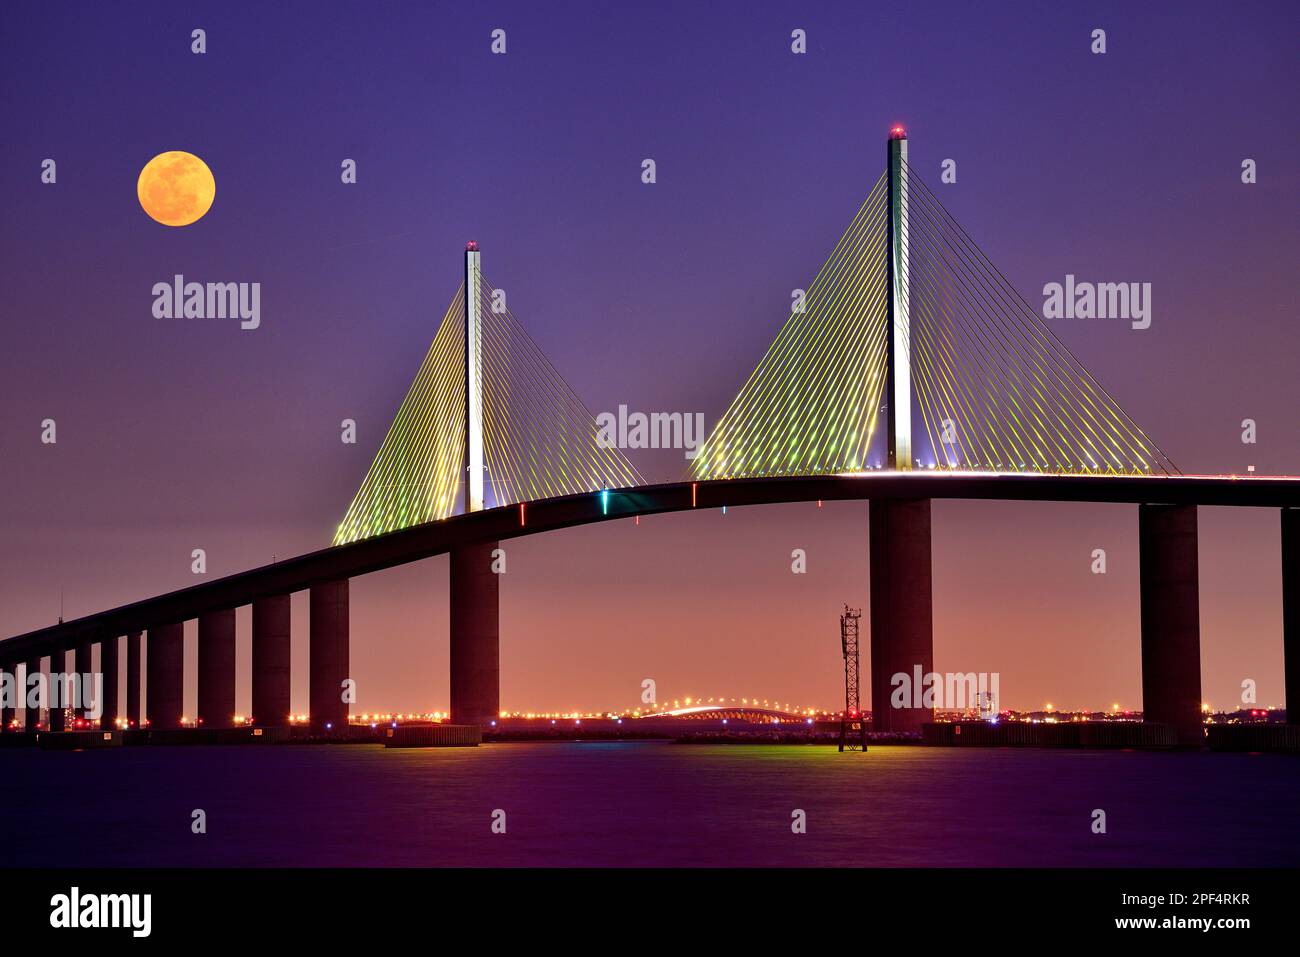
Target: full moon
{"points": [[176, 188]]}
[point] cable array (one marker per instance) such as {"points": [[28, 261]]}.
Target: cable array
{"points": [[811, 405], [996, 389], [415, 475], [993, 388], [539, 440]]}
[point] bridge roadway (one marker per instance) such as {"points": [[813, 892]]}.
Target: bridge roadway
{"points": [[437, 538], [890, 493]]}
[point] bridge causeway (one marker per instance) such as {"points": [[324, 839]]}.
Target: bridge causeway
{"points": [[1167, 539]]}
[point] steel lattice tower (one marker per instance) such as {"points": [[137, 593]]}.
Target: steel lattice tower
{"points": [[853, 730]]}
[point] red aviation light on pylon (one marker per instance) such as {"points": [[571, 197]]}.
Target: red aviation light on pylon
{"points": [[896, 132], [471, 247]]}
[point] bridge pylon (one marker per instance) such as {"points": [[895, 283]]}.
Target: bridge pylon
{"points": [[898, 334], [475, 587], [473, 380]]}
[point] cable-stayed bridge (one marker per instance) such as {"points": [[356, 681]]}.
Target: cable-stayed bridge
{"points": [[909, 370]]}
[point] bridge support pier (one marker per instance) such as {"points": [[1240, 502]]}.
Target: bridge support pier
{"points": [[217, 669], [1291, 612], [108, 700], [31, 713], [1171, 620], [7, 713], [271, 676], [475, 635], [133, 680], [165, 668], [81, 663], [329, 656], [902, 625], [55, 701]]}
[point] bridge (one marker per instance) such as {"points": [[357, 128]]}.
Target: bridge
{"points": [[909, 370], [725, 713]]}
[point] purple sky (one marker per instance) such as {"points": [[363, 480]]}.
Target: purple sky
{"points": [[181, 434]]}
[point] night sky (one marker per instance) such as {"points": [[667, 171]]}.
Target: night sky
{"points": [[177, 434]]}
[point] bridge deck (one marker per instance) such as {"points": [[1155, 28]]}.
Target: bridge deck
{"points": [[435, 538]]}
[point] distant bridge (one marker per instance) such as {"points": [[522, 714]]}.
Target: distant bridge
{"points": [[730, 712]]}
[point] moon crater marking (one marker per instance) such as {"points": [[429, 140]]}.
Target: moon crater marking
{"points": [[176, 188]]}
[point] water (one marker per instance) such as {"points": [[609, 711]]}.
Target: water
{"points": [[645, 804]]}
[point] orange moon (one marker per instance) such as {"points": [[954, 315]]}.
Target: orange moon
{"points": [[176, 188]]}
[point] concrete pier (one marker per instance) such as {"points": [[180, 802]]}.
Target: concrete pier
{"points": [[1171, 620], [133, 713], [9, 708], [217, 669], [902, 624], [108, 667], [31, 713], [81, 657], [328, 640], [271, 674], [55, 704], [165, 667], [1291, 612], [475, 635]]}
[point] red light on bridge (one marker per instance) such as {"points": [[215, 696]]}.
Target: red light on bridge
{"points": [[471, 247], [896, 132]]}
